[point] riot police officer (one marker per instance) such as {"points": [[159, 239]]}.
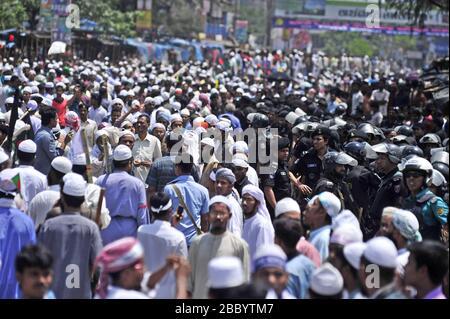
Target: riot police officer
{"points": [[391, 188], [335, 168], [363, 182]]}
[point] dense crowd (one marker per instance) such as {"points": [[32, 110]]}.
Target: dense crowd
{"points": [[259, 175]]}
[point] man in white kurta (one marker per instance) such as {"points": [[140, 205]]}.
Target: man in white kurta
{"points": [[258, 229]]}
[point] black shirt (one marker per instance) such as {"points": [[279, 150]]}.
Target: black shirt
{"points": [[310, 167], [279, 181]]}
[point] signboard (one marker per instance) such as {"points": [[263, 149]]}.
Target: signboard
{"points": [[59, 29], [144, 20], [241, 31], [46, 16]]}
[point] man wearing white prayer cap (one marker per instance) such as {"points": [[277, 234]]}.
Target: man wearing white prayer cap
{"points": [[72, 232], [258, 229], [386, 227], [126, 215], [380, 255], [225, 180], [216, 243], [240, 169], [32, 181], [269, 268], [287, 208], [318, 217], [405, 232], [225, 277], [326, 283]]}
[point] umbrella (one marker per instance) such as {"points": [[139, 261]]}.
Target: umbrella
{"points": [[57, 47]]}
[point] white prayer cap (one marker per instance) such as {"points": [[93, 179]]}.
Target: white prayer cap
{"points": [[389, 211], [353, 252], [240, 160], [207, 141], [157, 125], [148, 100], [27, 89], [135, 103], [158, 100], [3, 156], [269, 255], [326, 280], [62, 164], [117, 101], [9, 100], [125, 123], [74, 185], [240, 147], [46, 102], [223, 125], [123, 93], [346, 234], [407, 224], [175, 117], [345, 217], [61, 84], [122, 153], [165, 95], [381, 251], [100, 133], [6, 184], [32, 105], [330, 202], [291, 117], [285, 205], [223, 90], [127, 132], [79, 159], [185, 112], [211, 119], [41, 204], [27, 146], [176, 106], [49, 85], [219, 199], [225, 272]]}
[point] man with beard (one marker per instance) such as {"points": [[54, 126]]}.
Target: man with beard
{"points": [[217, 242], [258, 229]]}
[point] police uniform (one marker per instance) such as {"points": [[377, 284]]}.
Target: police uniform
{"points": [[310, 167], [430, 210], [363, 185], [390, 193], [340, 189], [279, 181]]}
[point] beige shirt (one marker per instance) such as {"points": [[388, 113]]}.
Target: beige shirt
{"points": [[90, 128], [148, 149], [208, 246]]}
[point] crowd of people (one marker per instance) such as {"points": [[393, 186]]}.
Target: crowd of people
{"points": [[262, 176]]}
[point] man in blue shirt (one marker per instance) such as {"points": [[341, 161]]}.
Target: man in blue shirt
{"points": [[46, 149], [318, 216], [125, 198], [16, 231], [288, 232], [194, 195]]}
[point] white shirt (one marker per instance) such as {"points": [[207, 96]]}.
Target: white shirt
{"points": [[257, 232], [148, 149], [160, 240], [236, 223], [32, 182], [97, 114], [271, 294], [357, 101], [120, 293]]}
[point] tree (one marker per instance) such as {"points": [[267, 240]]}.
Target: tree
{"points": [[417, 10], [12, 14]]}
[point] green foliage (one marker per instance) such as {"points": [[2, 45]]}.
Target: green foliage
{"points": [[418, 9], [12, 14]]}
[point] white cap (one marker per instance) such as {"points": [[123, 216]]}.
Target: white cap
{"points": [[62, 164], [407, 224], [330, 202], [122, 153], [223, 125], [3, 156], [240, 147], [6, 184], [207, 141], [240, 160], [79, 159], [74, 185], [27, 89], [185, 112], [117, 101], [291, 117], [353, 252], [326, 280], [346, 234], [225, 272], [32, 105], [285, 205], [345, 217], [27, 146], [219, 199], [9, 100], [46, 102], [211, 119], [381, 251], [269, 255]]}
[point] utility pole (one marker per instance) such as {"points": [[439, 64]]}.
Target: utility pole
{"points": [[269, 16]]}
